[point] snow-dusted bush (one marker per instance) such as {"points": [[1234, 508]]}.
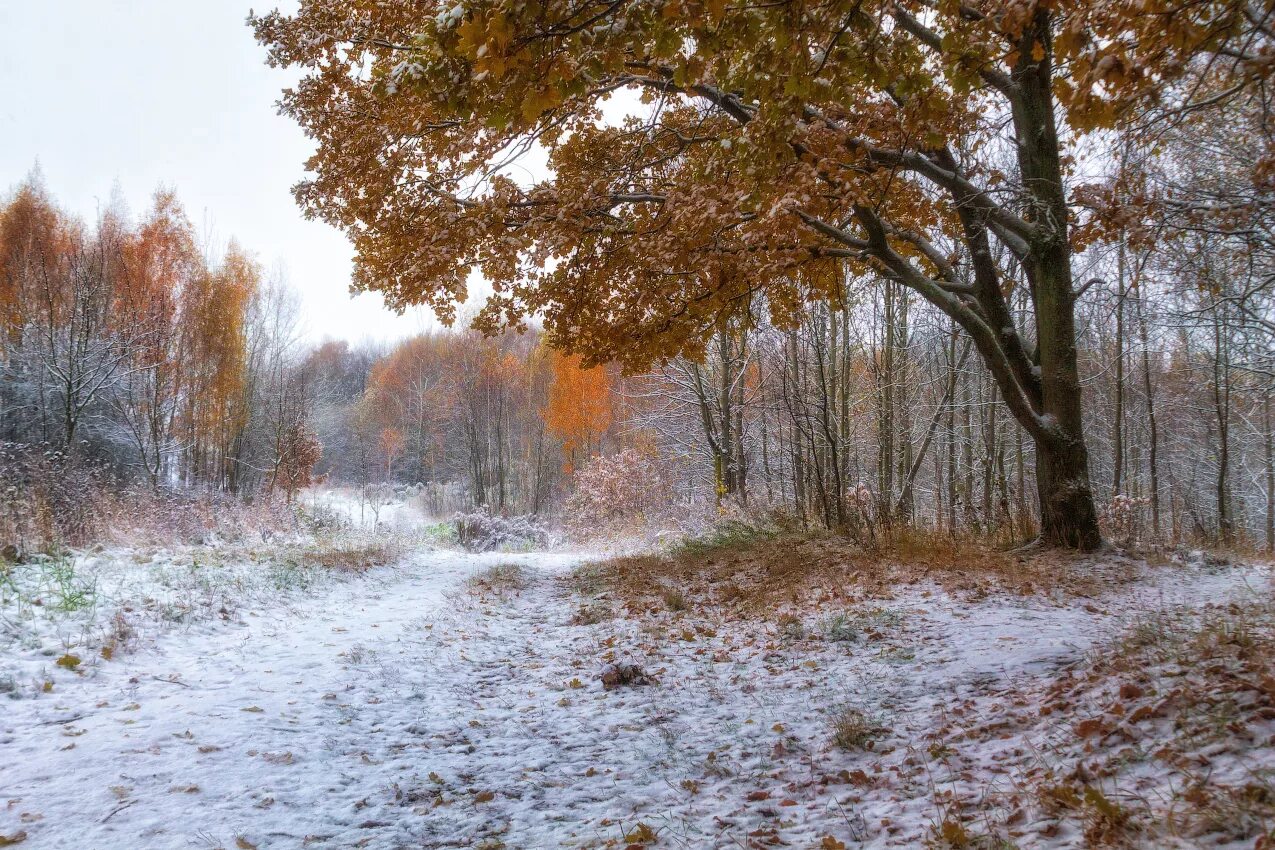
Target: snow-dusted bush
{"points": [[321, 518], [48, 498], [482, 531], [626, 491]]}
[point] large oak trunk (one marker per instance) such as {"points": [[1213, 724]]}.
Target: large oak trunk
{"points": [[1067, 516]]}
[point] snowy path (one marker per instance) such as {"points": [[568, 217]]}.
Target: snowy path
{"points": [[400, 711], [248, 734]]}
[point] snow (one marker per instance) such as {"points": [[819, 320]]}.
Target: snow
{"points": [[398, 709], [395, 509], [261, 721], [78, 603]]}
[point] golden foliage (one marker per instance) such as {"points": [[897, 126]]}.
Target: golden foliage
{"points": [[579, 407], [774, 139]]}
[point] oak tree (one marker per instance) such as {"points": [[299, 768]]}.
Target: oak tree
{"points": [[702, 155]]}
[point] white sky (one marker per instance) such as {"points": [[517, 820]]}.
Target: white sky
{"points": [[175, 93]]}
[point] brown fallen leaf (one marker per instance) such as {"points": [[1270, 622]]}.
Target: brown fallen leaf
{"points": [[642, 834]]}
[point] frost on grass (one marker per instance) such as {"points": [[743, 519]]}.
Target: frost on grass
{"points": [[96, 605], [483, 531], [501, 580]]}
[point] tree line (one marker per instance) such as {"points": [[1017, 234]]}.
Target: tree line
{"points": [[124, 344]]}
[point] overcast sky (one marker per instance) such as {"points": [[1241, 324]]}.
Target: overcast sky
{"points": [[174, 93]]}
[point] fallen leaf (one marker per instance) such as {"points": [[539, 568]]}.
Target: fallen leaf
{"points": [[642, 834]]}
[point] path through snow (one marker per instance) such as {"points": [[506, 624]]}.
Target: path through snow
{"points": [[399, 711]]}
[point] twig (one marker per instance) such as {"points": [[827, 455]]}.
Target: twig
{"points": [[172, 681], [115, 811], [65, 720]]}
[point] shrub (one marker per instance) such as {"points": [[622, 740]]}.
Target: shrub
{"points": [[482, 531], [1122, 520], [48, 499], [626, 491]]}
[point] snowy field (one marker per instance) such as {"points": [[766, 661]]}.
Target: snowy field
{"points": [[414, 706]]}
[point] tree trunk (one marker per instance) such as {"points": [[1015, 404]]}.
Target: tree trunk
{"points": [[1153, 435], [1068, 517], [1117, 430], [1268, 446], [1067, 511]]}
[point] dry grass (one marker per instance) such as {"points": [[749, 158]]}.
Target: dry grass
{"points": [[853, 730], [674, 599], [500, 580], [350, 556], [751, 574]]}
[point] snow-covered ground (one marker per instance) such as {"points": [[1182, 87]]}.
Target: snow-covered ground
{"points": [[402, 708], [382, 506]]}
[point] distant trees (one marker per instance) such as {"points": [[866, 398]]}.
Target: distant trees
{"points": [[578, 411], [504, 418], [122, 343]]}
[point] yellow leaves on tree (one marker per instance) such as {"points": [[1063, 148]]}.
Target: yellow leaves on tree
{"points": [[391, 447], [133, 309], [214, 321], [579, 407], [31, 230]]}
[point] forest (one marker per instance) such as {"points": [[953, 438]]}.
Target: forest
{"points": [[139, 361], [841, 423]]}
